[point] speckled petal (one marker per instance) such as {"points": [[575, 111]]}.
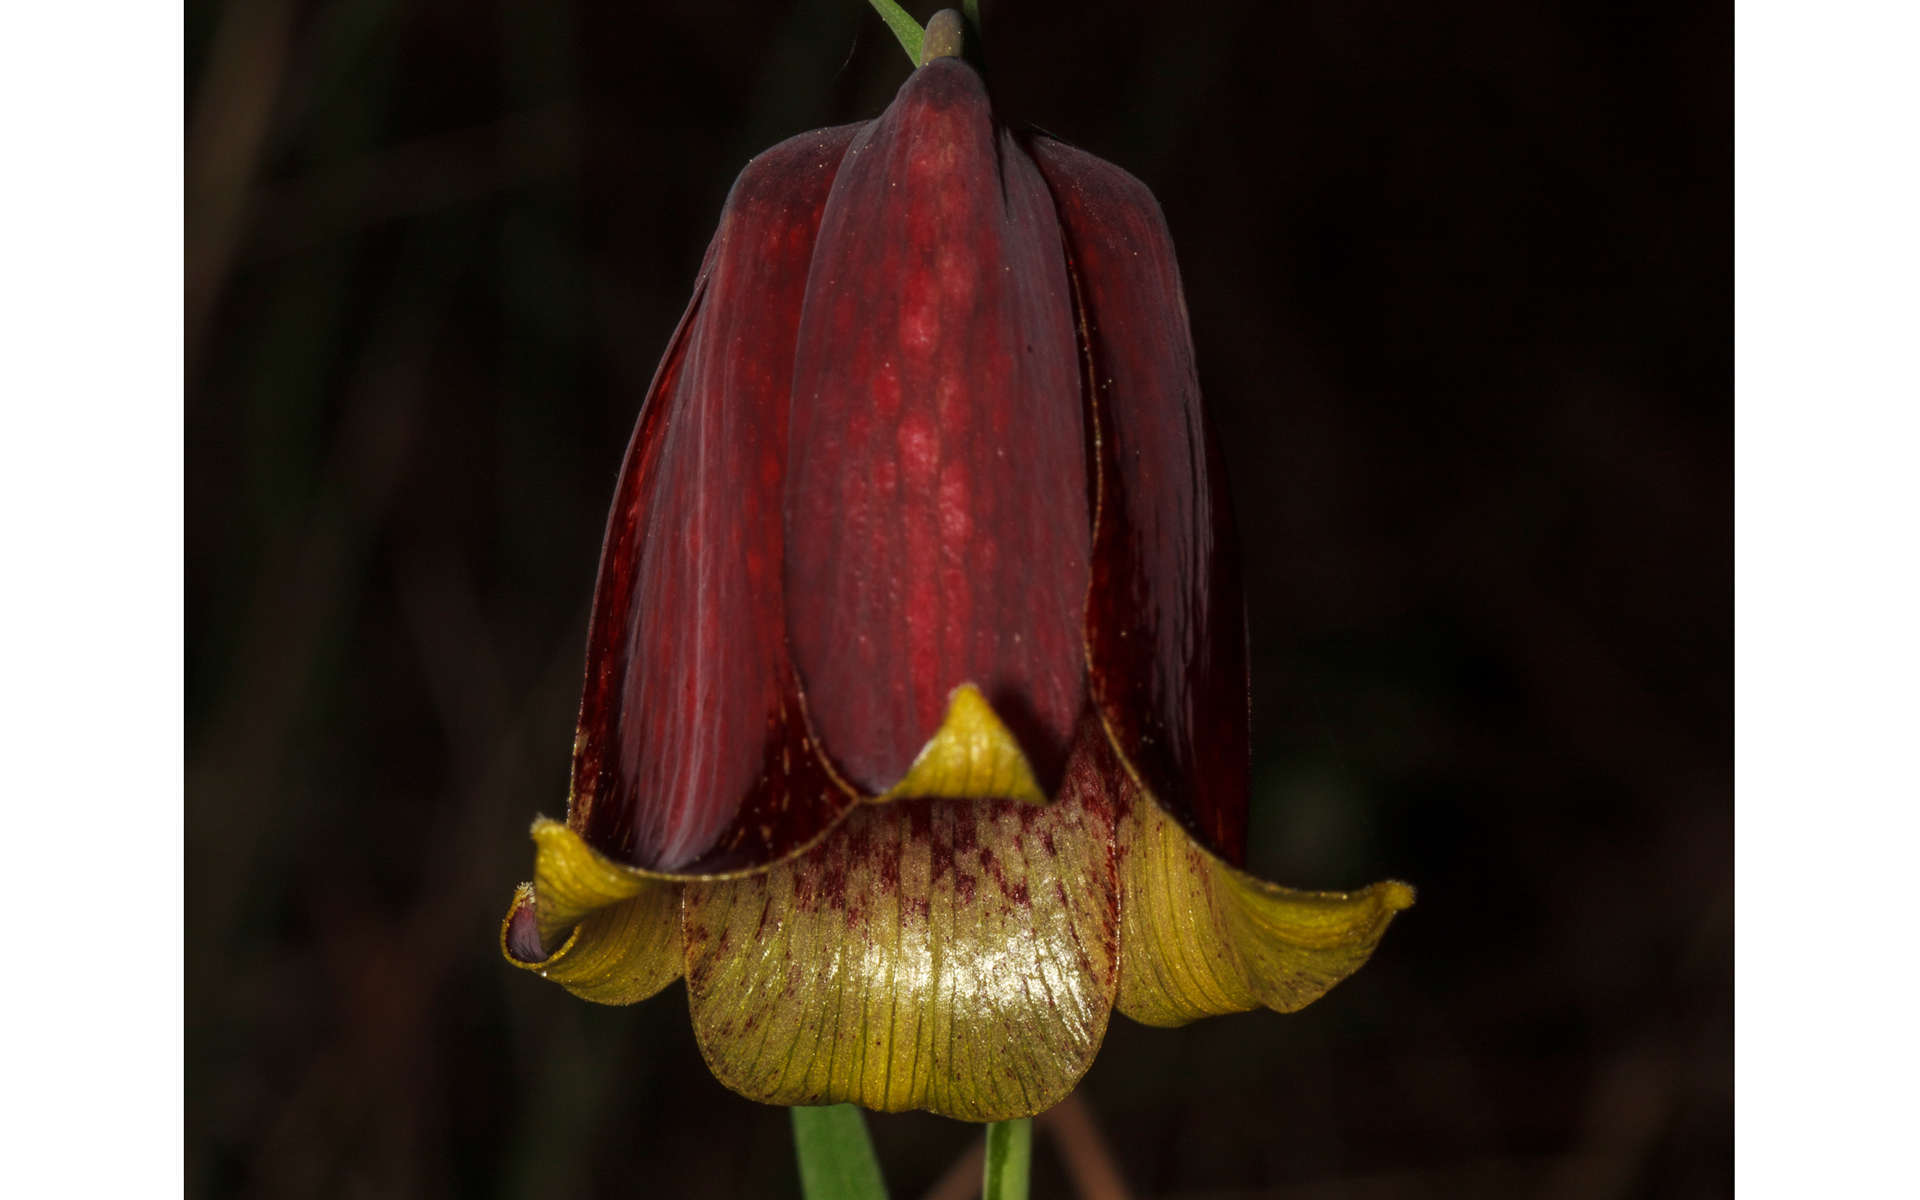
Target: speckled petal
{"points": [[936, 504], [954, 957], [692, 756]]}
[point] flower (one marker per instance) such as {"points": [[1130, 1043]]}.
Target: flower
{"points": [[915, 727]]}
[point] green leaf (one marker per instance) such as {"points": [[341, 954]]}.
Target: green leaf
{"points": [[836, 1158], [904, 27], [1009, 1153]]}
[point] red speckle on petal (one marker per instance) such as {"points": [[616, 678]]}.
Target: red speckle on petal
{"points": [[956, 515], [684, 755], [959, 274], [919, 316], [939, 259], [919, 452], [950, 399], [884, 390]]}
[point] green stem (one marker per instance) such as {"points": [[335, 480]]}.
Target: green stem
{"points": [[1009, 1156], [904, 27], [837, 1161]]}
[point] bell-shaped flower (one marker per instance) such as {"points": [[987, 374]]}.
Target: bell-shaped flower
{"points": [[915, 727]]}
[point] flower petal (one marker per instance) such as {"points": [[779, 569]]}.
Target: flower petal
{"points": [[936, 505], [1199, 938], [618, 932], [951, 957], [1165, 625], [692, 754]]}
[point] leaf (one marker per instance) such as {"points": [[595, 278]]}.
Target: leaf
{"points": [[836, 1155]]}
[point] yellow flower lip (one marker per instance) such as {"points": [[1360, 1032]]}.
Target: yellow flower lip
{"points": [[957, 955]]}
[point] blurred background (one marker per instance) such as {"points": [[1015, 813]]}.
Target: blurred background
{"points": [[1460, 285]]}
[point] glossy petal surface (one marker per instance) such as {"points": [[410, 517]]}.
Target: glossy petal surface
{"points": [[1199, 938], [937, 517], [1165, 626], [954, 957], [692, 754]]}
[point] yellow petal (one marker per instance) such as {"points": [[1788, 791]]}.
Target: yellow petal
{"points": [[1199, 938], [957, 958], [972, 756], [618, 932]]}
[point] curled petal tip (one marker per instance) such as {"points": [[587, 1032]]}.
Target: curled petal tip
{"points": [[972, 756], [617, 933]]}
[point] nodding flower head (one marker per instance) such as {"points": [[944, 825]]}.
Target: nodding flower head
{"points": [[915, 727]]}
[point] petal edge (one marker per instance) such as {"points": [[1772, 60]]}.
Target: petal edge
{"points": [[1164, 623], [1200, 938], [688, 756]]}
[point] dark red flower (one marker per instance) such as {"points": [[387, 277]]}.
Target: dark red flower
{"points": [[915, 725]]}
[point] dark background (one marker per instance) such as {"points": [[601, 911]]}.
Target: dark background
{"points": [[1460, 284]]}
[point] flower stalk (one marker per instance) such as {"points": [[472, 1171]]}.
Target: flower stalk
{"points": [[1009, 1159], [953, 33]]}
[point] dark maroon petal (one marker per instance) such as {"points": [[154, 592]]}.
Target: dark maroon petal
{"points": [[692, 753], [937, 524], [1166, 626]]}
